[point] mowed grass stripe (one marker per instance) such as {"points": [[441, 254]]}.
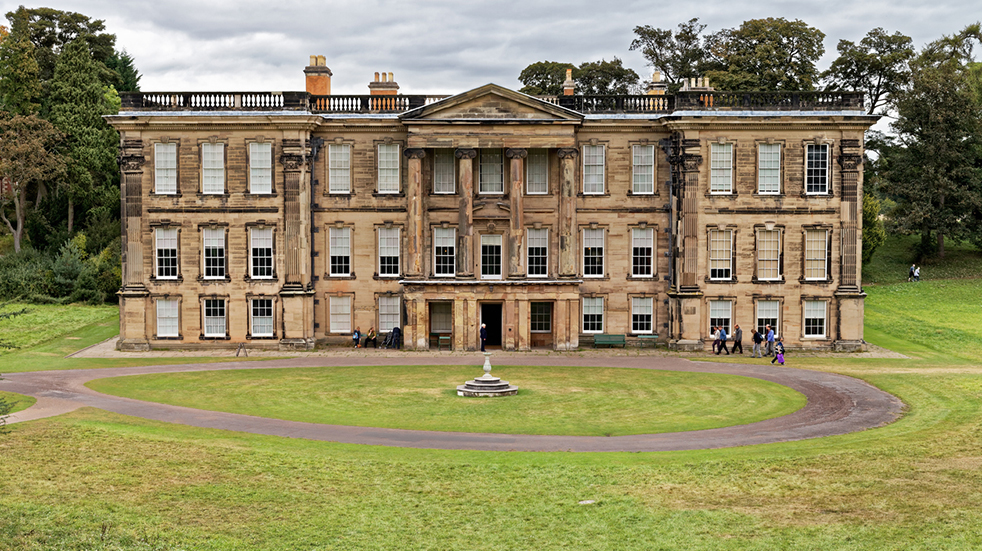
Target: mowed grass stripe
{"points": [[580, 401]]}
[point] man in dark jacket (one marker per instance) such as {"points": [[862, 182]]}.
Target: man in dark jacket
{"points": [[737, 339], [758, 338], [722, 342], [484, 335]]}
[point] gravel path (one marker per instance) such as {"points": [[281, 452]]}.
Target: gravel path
{"points": [[836, 405]]}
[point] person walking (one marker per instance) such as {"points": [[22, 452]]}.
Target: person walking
{"points": [[770, 340], [737, 340], [484, 335], [722, 342], [715, 331], [779, 352], [757, 338], [910, 273], [917, 273]]}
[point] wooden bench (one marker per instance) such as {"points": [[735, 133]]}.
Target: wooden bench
{"points": [[653, 338], [602, 339], [443, 340]]}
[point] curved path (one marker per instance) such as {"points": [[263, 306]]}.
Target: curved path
{"points": [[836, 405]]}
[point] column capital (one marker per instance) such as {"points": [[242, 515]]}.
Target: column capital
{"points": [[414, 153], [293, 162], [463, 153], [568, 152], [516, 153]]}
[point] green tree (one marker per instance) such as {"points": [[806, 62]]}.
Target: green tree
{"points": [[878, 66], [20, 85], [677, 55], [78, 103], [51, 30], [874, 234], [602, 78], [765, 54], [129, 77], [544, 78]]}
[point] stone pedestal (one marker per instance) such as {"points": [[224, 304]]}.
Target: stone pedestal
{"points": [[487, 385]]}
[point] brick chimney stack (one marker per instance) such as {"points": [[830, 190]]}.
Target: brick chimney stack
{"points": [[386, 87], [568, 85], [318, 76], [657, 86]]}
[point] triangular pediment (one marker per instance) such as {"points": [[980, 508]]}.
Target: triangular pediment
{"points": [[491, 103]]}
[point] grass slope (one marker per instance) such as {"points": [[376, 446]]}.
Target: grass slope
{"points": [[552, 400]]}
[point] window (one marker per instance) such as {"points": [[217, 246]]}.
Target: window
{"points": [[492, 177], [816, 242], [644, 170], [341, 314], [213, 168], [444, 175], [769, 254], [593, 169], [721, 168], [817, 169], [593, 315], [262, 317], [167, 318], [214, 250], [261, 168], [768, 312], [719, 314], [262, 252], [215, 317], [165, 168], [166, 253], [388, 168], [339, 168], [388, 251], [641, 314], [814, 318], [769, 168], [642, 252], [444, 252], [340, 251], [490, 257], [388, 313], [538, 252], [541, 313], [441, 317], [593, 253], [720, 254], [537, 171]]}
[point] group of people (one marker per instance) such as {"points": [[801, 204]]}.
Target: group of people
{"points": [[914, 274], [393, 340], [772, 346]]}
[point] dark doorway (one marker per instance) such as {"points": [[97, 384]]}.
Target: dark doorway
{"points": [[491, 316]]}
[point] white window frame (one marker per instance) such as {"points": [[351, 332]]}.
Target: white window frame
{"points": [[816, 258], [258, 325], [213, 239], [491, 175], [717, 262], [537, 239], [537, 172], [168, 317], [643, 170], [642, 238], [389, 242], [594, 169], [256, 236], [339, 246], [769, 168], [210, 323], [444, 238], [590, 240], [388, 168], [810, 311], [340, 313], [213, 168], [817, 171], [590, 306], [492, 240], [165, 168], [764, 309], [260, 168], [720, 310], [444, 172], [389, 313], [339, 168], [641, 307], [162, 241], [769, 259], [721, 168], [533, 314]]}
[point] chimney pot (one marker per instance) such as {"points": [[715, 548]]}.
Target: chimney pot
{"points": [[321, 61], [313, 60], [376, 76], [391, 78]]}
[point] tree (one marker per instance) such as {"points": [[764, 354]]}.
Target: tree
{"points": [[27, 159], [677, 55], [544, 78], [129, 77], [51, 30], [603, 78], [765, 54], [873, 233], [78, 102], [20, 87], [878, 66]]}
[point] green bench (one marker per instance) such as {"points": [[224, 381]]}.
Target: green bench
{"points": [[441, 340], [653, 338], [602, 339]]}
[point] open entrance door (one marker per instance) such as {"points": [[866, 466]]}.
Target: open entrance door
{"points": [[491, 316]]}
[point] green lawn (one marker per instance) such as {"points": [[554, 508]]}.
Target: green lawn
{"points": [[585, 401], [18, 402]]}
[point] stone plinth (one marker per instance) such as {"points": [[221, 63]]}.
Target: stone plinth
{"points": [[487, 385]]}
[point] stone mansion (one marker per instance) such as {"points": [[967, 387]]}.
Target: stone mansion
{"points": [[288, 219]]}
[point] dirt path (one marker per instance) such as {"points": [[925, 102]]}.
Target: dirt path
{"points": [[836, 405]]}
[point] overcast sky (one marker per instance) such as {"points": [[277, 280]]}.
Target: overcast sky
{"points": [[444, 46]]}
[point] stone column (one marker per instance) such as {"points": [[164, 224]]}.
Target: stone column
{"points": [[516, 266], [465, 223], [849, 294], [415, 222], [134, 299], [567, 212], [297, 291]]}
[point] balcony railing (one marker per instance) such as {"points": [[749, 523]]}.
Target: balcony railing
{"points": [[368, 104]]}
